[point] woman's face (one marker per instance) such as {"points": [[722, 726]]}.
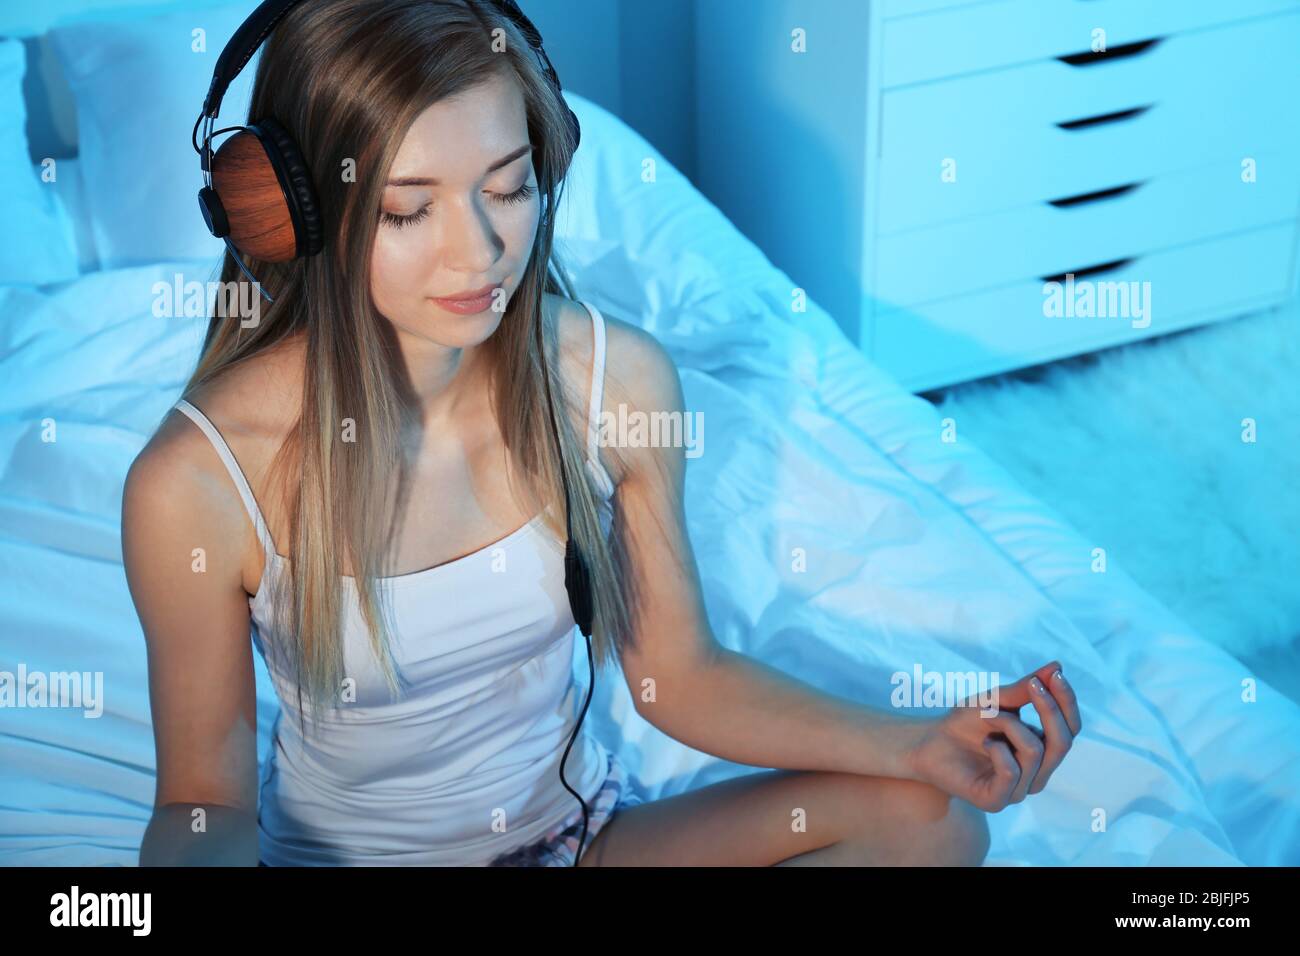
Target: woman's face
{"points": [[455, 218]]}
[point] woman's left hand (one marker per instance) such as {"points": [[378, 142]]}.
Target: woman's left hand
{"points": [[994, 761]]}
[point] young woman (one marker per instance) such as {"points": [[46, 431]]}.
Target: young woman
{"points": [[366, 478]]}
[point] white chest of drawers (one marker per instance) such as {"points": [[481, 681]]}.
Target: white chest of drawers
{"points": [[974, 186]]}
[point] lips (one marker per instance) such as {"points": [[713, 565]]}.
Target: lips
{"points": [[468, 303], [467, 296]]}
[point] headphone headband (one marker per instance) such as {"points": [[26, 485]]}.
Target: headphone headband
{"points": [[241, 47], [254, 31]]}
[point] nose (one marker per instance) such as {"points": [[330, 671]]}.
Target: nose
{"points": [[471, 245]]}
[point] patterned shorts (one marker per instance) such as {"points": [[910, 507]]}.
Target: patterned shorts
{"points": [[559, 846]]}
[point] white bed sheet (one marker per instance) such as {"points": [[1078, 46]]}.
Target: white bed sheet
{"points": [[919, 552]]}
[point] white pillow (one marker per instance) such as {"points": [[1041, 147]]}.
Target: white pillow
{"points": [[139, 85], [70, 196], [36, 245]]}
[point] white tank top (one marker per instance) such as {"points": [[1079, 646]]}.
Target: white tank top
{"points": [[464, 764]]}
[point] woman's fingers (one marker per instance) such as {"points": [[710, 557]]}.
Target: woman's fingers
{"points": [[1063, 694], [1006, 774], [1014, 696], [1027, 748], [1056, 733], [1036, 753]]}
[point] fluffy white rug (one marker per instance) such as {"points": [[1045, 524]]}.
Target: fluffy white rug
{"points": [[1141, 448]]}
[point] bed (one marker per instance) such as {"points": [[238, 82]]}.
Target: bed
{"points": [[920, 552]]}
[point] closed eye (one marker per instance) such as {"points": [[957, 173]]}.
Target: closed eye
{"points": [[397, 221], [520, 195]]}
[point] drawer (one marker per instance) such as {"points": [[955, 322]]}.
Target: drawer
{"points": [[984, 36], [1049, 130], [972, 336], [1027, 242]]}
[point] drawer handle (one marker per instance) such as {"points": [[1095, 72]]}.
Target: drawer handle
{"points": [[1101, 119], [1097, 196], [1088, 57], [1089, 271]]}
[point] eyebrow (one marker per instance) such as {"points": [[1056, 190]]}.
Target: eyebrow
{"points": [[429, 181]]}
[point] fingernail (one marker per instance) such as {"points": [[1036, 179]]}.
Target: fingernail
{"points": [[1036, 684], [1059, 676]]}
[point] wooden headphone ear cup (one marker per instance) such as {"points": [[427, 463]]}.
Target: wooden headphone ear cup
{"points": [[295, 180], [261, 224]]}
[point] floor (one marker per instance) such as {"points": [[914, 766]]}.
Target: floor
{"points": [[1141, 448]]}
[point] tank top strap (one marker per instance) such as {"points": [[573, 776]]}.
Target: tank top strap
{"points": [[236, 473], [594, 407]]}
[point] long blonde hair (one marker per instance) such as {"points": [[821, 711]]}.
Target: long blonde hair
{"points": [[346, 79]]}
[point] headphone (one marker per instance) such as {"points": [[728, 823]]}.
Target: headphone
{"points": [[258, 196]]}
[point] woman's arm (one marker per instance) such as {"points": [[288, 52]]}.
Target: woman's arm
{"points": [[732, 706], [194, 612]]}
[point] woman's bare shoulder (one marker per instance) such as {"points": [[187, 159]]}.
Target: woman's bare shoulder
{"points": [[252, 405], [631, 353], [259, 397], [639, 372]]}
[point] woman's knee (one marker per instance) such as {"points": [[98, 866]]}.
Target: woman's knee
{"points": [[967, 835], [934, 828]]}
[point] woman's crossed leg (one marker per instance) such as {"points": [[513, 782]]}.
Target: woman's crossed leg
{"points": [[796, 818]]}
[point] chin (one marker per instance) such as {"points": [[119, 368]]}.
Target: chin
{"points": [[454, 331]]}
